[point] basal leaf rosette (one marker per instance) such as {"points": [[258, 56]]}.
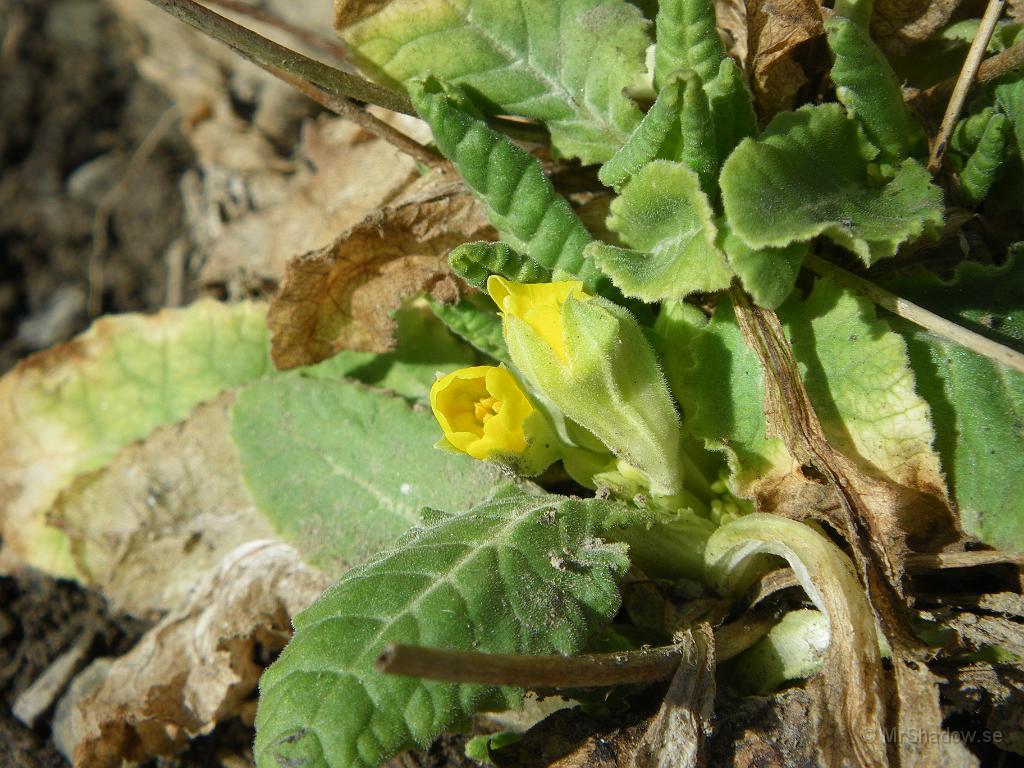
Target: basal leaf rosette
{"points": [[809, 174], [484, 413], [590, 358]]}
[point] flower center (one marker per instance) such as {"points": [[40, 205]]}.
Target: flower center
{"points": [[485, 408]]}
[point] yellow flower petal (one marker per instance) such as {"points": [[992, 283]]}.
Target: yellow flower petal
{"points": [[539, 305]]}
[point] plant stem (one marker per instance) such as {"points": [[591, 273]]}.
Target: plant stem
{"points": [[543, 672], [919, 316], [260, 50], [972, 64], [322, 43]]}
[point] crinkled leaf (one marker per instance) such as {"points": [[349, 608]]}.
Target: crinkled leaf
{"points": [[665, 217], [978, 405], [700, 147], [340, 470], [867, 86], [475, 320], [520, 574], [982, 167], [69, 410], [807, 175], [475, 262], [732, 109], [686, 39], [1010, 98], [564, 63], [768, 274], [342, 296], [521, 202], [875, 418]]}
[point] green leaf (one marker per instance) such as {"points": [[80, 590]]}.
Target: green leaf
{"points": [[340, 470], [732, 109], [663, 214], [659, 135], [521, 574], [69, 410], [868, 88], [564, 63], [423, 347], [475, 320], [700, 148], [521, 202], [768, 274], [808, 174], [1010, 98], [978, 405], [475, 262], [984, 164], [875, 417], [687, 38]]}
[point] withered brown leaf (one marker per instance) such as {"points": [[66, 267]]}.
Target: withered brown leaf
{"points": [[898, 24], [342, 296], [776, 29]]}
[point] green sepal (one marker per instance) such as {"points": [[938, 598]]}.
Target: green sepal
{"points": [[609, 383]]}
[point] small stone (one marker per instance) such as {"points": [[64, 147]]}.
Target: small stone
{"points": [[40, 696]]}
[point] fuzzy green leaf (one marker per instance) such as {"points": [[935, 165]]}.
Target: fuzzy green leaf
{"points": [[1010, 98], [520, 574], [687, 38], [659, 135], [978, 405], [984, 164], [700, 148], [768, 274], [665, 217], [732, 109], [564, 63], [521, 202], [340, 470], [867, 86], [808, 175], [475, 262], [876, 417], [475, 320]]}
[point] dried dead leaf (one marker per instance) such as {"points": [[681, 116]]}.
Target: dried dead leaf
{"points": [[731, 16], [144, 529], [777, 29], [348, 12], [898, 24], [341, 297], [675, 738], [345, 176], [871, 517], [199, 665]]}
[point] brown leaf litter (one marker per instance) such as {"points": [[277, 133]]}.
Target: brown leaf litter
{"points": [[342, 296]]}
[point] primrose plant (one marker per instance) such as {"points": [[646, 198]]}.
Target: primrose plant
{"points": [[601, 372]]}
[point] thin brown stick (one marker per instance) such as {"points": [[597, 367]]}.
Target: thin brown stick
{"points": [[351, 111], [314, 40], [919, 316], [544, 672], [1001, 63], [101, 219], [263, 51], [972, 64]]}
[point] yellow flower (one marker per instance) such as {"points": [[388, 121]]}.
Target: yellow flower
{"points": [[539, 305], [482, 411]]}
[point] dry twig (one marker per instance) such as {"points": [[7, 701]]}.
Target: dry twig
{"points": [[322, 43], [963, 84]]}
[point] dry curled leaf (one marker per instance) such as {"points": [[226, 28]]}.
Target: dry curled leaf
{"points": [[777, 28], [898, 24], [342, 296], [731, 16], [145, 528], [199, 665]]}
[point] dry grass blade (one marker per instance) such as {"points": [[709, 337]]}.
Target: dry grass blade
{"points": [[972, 63]]}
